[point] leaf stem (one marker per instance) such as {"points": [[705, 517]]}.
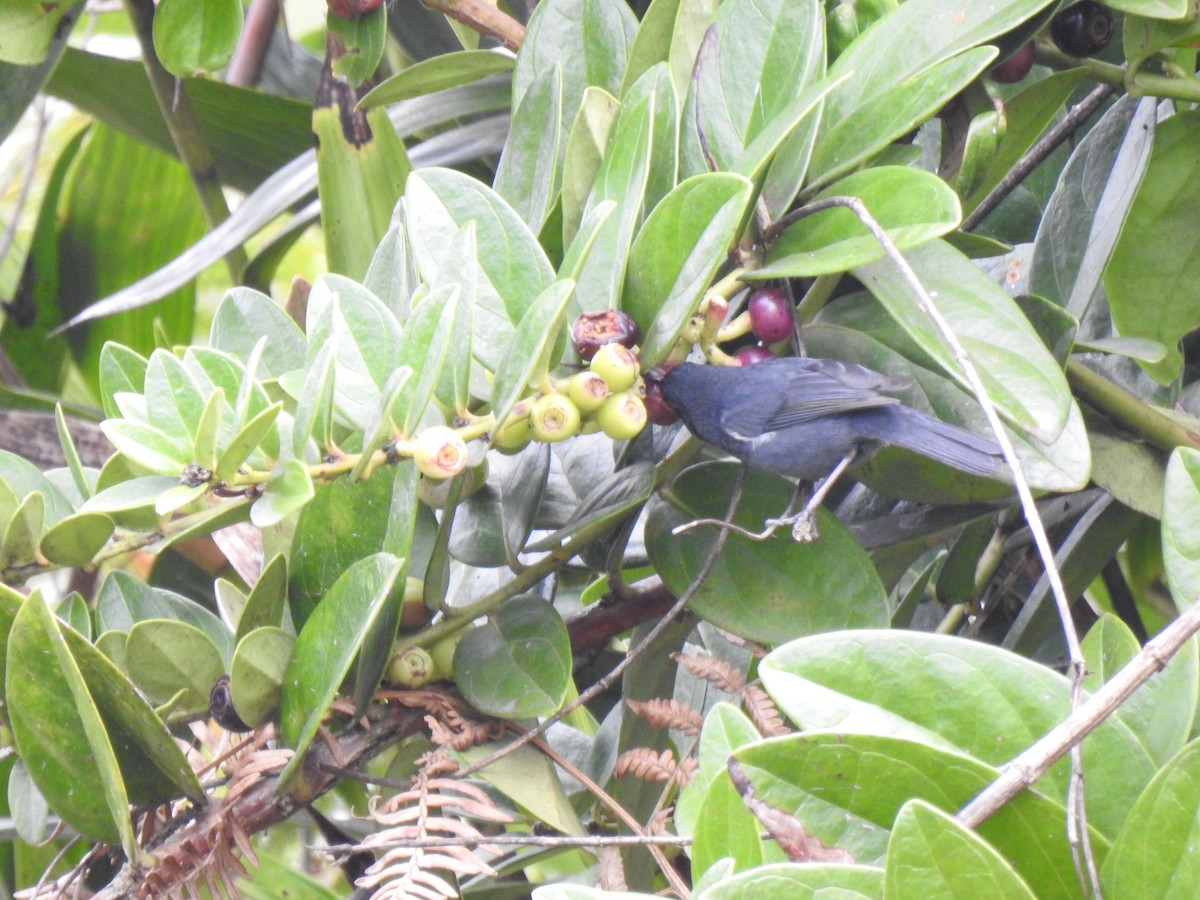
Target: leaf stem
{"points": [[1127, 410]]}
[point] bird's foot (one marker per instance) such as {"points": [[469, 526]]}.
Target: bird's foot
{"points": [[803, 525]]}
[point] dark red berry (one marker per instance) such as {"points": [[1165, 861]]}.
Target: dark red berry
{"points": [[1083, 29], [657, 410], [592, 330], [748, 356], [770, 315], [353, 9], [1015, 67]]}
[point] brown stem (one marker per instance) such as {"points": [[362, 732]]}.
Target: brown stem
{"points": [[484, 18]]}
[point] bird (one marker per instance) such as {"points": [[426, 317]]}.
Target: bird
{"points": [[809, 419]]}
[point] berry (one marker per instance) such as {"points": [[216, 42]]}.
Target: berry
{"points": [[443, 655], [592, 330], [515, 435], [220, 707], [440, 452], [657, 410], [1083, 29], [617, 365], [554, 418], [770, 315], [414, 613], [748, 356], [353, 9], [622, 416], [1015, 67], [412, 667], [588, 391]]}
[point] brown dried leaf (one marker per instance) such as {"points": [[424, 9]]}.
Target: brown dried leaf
{"points": [[644, 763], [784, 828], [715, 671], [763, 712], [662, 713]]}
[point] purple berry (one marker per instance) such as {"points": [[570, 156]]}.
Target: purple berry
{"points": [[592, 330], [657, 410], [770, 315], [1015, 67], [748, 356]]}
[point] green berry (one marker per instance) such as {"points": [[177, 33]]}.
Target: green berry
{"points": [[587, 391], [554, 417], [412, 667], [443, 655], [617, 366], [440, 452], [622, 416]]}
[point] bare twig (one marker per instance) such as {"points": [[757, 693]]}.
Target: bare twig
{"points": [[484, 18]]}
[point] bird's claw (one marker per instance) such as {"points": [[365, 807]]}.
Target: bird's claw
{"points": [[803, 525]]}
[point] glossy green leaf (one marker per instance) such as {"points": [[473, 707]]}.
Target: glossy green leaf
{"points": [[121, 370], [257, 671], [528, 778], [802, 881], [1180, 521], [167, 658], [243, 317], [196, 37], [586, 143], [1149, 243], [518, 664], [130, 504], [147, 446], [425, 346], [437, 73], [457, 272], [1152, 856], [725, 729], [59, 732], [785, 589], [931, 855], [77, 539], [911, 205], [511, 267], [846, 790], [245, 442], [530, 351], [314, 402], [216, 413], [24, 478], [23, 531], [677, 252], [80, 480], [1021, 377], [929, 688], [1155, 9], [267, 602], [726, 828], [125, 600], [289, 489], [529, 174], [326, 646], [363, 39]]}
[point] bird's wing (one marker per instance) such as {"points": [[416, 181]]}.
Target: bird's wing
{"points": [[809, 389]]}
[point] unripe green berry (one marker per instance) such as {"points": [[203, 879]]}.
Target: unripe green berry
{"points": [[440, 452], [412, 667], [555, 417], [617, 366], [622, 416], [443, 655], [587, 391], [513, 436], [434, 491]]}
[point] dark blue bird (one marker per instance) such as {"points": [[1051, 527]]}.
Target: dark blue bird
{"points": [[812, 418]]}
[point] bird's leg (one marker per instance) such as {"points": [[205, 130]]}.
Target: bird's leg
{"points": [[804, 523]]}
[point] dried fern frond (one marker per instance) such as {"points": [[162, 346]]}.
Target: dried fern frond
{"points": [[715, 671], [210, 855], [449, 729], [663, 713], [763, 712], [644, 763]]}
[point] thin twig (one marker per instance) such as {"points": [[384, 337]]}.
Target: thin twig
{"points": [[526, 840], [1025, 769]]}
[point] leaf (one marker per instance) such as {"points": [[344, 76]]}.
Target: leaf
{"points": [[586, 143], [325, 648], [803, 881], [992, 329], [196, 37], [677, 252], [246, 441], [24, 478], [23, 532], [77, 539], [173, 662], [121, 370], [1180, 519], [125, 600], [911, 205], [929, 688], [362, 38], [530, 170], [425, 346], [147, 446], [725, 729], [266, 604], [531, 350], [518, 664], [1149, 243], [245, 316], [257, 671], [437, 73], [1152, 857], [726, 828], [786, 589], [930, 854], [528, 778], [287, 491], [59, 732]]}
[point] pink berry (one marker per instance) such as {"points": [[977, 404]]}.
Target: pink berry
{"points": [[748, 356], [770, 315], [1015, 67]]}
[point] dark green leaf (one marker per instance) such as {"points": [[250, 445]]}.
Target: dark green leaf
{"points": [[125, 600], [76, 540], [257, 671], [436, 74], [267, 602], [529, 175], [196, 37], [172, 661]]}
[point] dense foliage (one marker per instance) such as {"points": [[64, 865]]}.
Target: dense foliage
{"points": [[342, 540]]}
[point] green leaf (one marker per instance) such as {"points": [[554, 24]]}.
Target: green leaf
{"points": [[530, 351], [216, 414], [846, 790], [82, 483], [257, 671], [245, 442], [911, 205], [425, 347], [196, 37], [529, 779], [1149, 243], [457, 271], [930, 688], [314, 402], [725, 729], [1180, 521], [288, 490], [801, 881], [173, 661], [125, 600], [726, 828], [437, 73], [363, 38], [786, 589], [75, 540], [23, 532], [121, 370], [1152, 856], [325, 648], [243, 317], [997, 336], [518, 664], [267, 601], [1155, 9], [931, 855], [147, 446], [586, 143], [59, 732], [677, 252], [24, 478], [130, 504], [529, 175]]}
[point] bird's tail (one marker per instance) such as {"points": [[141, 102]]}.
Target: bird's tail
{"points": [[948, 444]]}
